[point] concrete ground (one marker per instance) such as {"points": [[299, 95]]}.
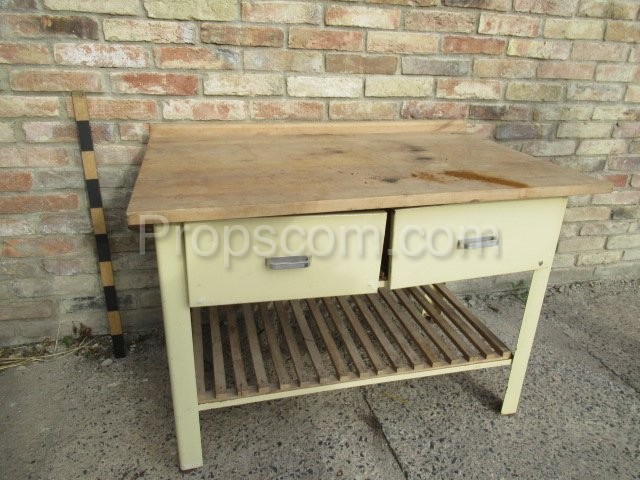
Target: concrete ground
{"points": [[579, 415]]}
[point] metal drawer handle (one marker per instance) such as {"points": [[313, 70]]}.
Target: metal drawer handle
{"points": [[288, 263], [478, 242]]}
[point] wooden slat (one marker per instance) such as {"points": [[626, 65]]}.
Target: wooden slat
{"points": [[372, 351], [309, 342], [341, 368], [296, 358], [385, 327], [449, 354], [399, 364], [274, 348], [219, 380], [237, 362], [198, 357], [488, 335], [361, 368], [445, 325], [460, 323], [432, 356], [413, 357], [254, 347]]}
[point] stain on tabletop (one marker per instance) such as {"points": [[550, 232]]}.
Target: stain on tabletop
{"points": [[469, 175], [428, 176]]}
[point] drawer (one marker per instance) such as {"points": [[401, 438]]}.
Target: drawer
{"points": [[278, 258], [455, 242]]}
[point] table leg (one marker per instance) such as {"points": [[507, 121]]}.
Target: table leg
{"points": [[177, 329], [525, 340]]}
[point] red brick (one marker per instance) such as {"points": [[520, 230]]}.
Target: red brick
{"points": [[628, 163], [363, 110], [504, 68], [367, 17], [100, 108], [133, 30], [325, 39], [428, 109], [473, 89], [28, 53], [15, 181], [547, 49], [243, 36], [286, 110], [399, 42], [39, 246], [440, 21], [617, 180], [56, 81], [516, 25], [34, 156], [459, 44], [193, 109], [281, 12], [610, 52], [618, 31], [566, 70], [15, 106], [101, 55], [502, 5], [196, 58], [500, 112], [137, 132], [66, 132], [564, 8], [38, 203], [38, 26], [351, 63], [155, 83]]}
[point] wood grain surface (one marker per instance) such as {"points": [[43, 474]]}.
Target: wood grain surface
{"points": [[195, 172]]}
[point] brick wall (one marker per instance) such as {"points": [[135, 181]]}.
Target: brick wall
{"points": [[558, 79]]}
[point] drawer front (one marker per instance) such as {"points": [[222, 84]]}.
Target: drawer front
{"points": [[455, 242], [278, 258]]}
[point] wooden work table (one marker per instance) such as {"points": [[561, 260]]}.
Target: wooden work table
{"points": [[246, 326]]}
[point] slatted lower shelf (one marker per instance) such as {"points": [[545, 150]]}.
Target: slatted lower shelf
{"points": [[255, 352]]}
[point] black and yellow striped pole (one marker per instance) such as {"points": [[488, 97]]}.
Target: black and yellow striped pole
{"points": [[98, 222]]}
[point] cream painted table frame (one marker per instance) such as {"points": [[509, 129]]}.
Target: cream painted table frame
{"points": [[398, 173]]}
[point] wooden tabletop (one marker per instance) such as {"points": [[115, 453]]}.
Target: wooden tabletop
{"points": [[194, 172]]}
